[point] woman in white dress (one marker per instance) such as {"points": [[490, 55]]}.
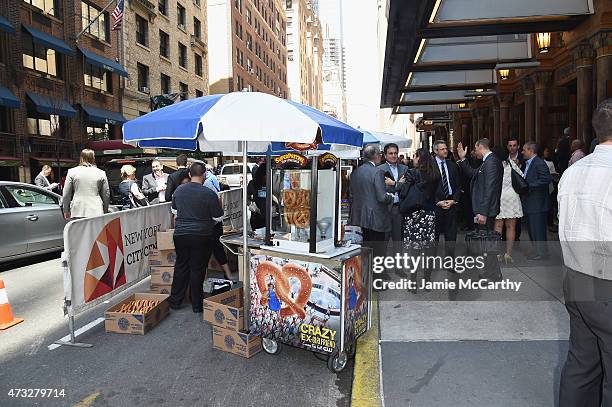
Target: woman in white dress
{"points": [[510, 209]]}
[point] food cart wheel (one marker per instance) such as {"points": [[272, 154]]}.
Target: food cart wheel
{"points": [[270, 346], [337, 361]]}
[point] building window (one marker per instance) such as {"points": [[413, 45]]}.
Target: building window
{"points": [[249, 16], [143, 77], [100, 28], [198, 64], [142, 31], [97, 78], [238, 30], [249, 65], [181, 16], [162, 6], [165, 84], [239, 57], [52, 7], [40, 59], [184, 91], [39, 124], [164, 44], [95, 133], [239, 83], [196, 2], [182, 55], [197, 28], [199, 93], [238, 4], [249, 42]]}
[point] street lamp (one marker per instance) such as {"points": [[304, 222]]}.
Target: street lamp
{"points": [[504, 74], [543, 40]]}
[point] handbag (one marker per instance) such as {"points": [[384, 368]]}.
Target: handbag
{"points": [[519, 184], [414, 198], [482, 241]]}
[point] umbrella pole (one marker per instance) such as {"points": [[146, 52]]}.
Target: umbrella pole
{"points": [[246, 274]]}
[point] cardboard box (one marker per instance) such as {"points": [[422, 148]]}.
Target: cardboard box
{"points": [[225, 310], [238, 343], [161, 288], [165, 240], [164, 258], [161, 275], [139, 324]]}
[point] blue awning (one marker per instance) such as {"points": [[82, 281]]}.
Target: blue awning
{"points": [[45, 104], [98, 115], [49, 41], [5, 25], [102, 62], [8, 99]]}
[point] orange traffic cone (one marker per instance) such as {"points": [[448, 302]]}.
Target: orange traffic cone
{"points": [[6, 315]]}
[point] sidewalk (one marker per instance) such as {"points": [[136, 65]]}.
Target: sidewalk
{"points": [[483, 349]]}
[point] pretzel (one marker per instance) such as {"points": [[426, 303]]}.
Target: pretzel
{"points": [[138, 306], [290, 306]]}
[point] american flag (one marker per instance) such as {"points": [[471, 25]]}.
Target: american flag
{"points": [[118, 15]]}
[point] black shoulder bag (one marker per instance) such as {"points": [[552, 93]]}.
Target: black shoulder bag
{"points": [[519, 184], [412, 200]]}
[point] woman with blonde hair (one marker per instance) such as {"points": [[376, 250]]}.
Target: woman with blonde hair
{"points": [[86, 191], [131, 195]]}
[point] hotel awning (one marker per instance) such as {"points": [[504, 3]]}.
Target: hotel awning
{"points": [[49, 41], [437, 47], [46, 105], [102, 62], [98, 115], [5, 25], [8, 99]]}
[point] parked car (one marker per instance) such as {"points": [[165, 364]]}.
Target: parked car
{"points": [[231, 174], [31, 220]]}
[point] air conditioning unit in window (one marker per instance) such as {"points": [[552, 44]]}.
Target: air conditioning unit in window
{"points": [[144, 89]]}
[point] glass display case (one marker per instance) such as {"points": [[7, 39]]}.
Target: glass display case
{"points": [[308, 190]]}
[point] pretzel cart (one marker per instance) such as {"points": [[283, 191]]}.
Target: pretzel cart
{"points": [[308, 288]]}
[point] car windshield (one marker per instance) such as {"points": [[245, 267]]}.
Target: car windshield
{"points": [[233, 169]]}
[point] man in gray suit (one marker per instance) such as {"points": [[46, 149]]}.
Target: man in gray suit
{"points": [[154, 184], [394, 178], [42, 179], [370, 201]]}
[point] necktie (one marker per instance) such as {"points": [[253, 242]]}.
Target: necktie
{"points": [[444, 178]]}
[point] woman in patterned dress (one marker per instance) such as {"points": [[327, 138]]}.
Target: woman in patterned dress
{"points": [[420, 226], [510, 208]]}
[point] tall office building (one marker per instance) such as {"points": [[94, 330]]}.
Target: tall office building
{"points": [[304, 53], [334, 77], [247, 46]]}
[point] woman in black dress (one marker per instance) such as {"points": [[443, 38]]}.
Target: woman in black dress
{"points": [[420, 226]]}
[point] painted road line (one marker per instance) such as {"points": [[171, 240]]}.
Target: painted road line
{"points": [[366, 377], [88, 401], [77, 332]]}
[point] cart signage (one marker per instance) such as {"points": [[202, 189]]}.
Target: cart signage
{"points": [[291, 160], [355, 285], [327, 161], [297, 303]]}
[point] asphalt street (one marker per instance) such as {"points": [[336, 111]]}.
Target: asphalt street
{"points": [[172, 365]]}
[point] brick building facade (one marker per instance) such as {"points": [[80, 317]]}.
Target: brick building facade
{"points": [[67, 89]]}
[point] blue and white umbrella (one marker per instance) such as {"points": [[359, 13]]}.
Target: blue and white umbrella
{"points": [[224, 122], [378, 137]]}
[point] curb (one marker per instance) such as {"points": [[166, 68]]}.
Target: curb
{"points": [[366, 376]]}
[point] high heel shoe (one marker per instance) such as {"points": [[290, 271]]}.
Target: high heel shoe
{"points": [[508, 258]]}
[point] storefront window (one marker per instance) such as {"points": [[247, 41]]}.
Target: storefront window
{"points": [[100, 28], [98, 133], [5, 120], [97, 78], [40, 59]]}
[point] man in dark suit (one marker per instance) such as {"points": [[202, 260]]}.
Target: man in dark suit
{"points": [[485, 189], [177, 177], [486, 182], [563, 151], [394, 178], [536, 202], [447, 194], [370, 202]]}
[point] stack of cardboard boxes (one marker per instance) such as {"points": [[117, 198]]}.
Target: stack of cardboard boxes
{"points": [[162, 263], [225, 312]]}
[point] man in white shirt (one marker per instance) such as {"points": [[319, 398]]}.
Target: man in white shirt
{"points": [[585, 233]]}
